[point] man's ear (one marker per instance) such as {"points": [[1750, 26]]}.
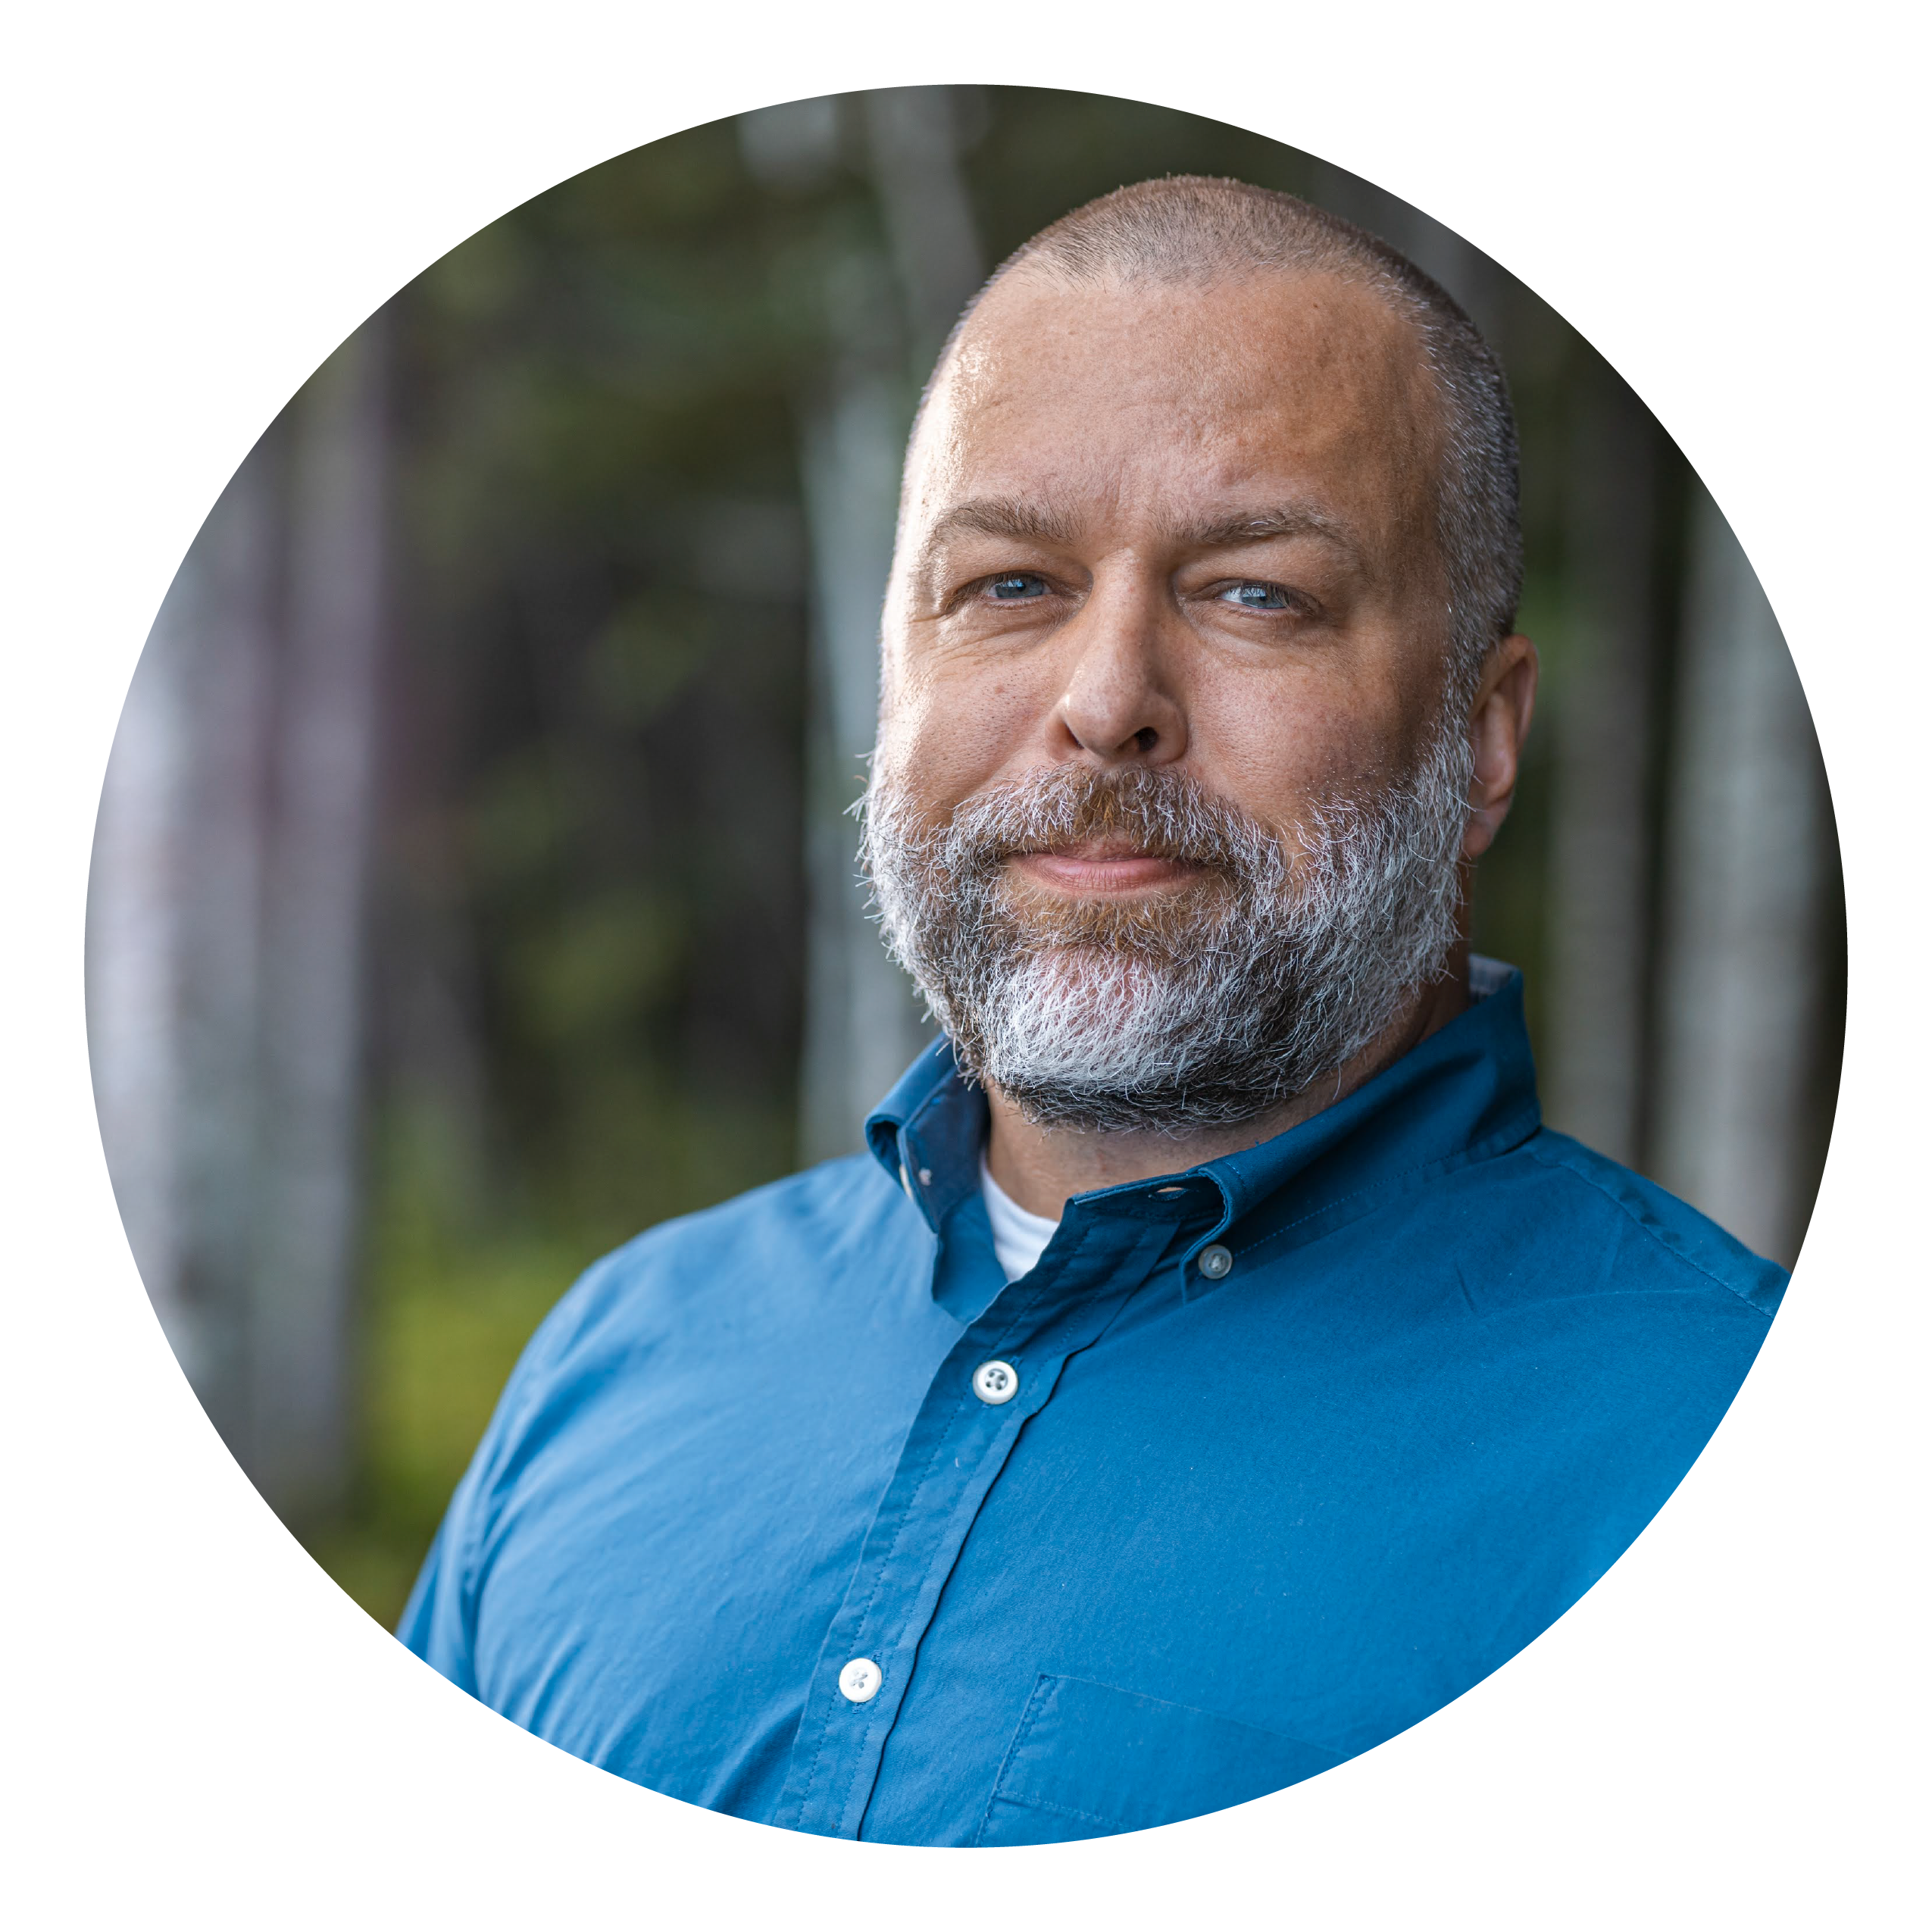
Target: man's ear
{"points": [[1498, 723]]}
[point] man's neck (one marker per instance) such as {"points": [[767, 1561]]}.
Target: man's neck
{"points": [[1043, 1168]]}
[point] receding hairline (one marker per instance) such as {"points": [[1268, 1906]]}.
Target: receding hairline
{"points": [[1204, 232], [1034, 279]]}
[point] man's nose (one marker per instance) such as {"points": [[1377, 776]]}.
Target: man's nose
{"points": [[1119, 705]]}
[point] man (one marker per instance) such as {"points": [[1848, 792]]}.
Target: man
{"points": [[1213, 1367]]}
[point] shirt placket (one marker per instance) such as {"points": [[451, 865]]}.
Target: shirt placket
{"points": [[953, 1452]]}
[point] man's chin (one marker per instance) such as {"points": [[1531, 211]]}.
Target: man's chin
{"points": [[1148, 927], [1058, 962]]}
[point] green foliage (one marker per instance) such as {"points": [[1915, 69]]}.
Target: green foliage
{"points": [[589, 954]]}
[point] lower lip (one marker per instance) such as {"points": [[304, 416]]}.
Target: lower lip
{"points": [[1062, 873]]}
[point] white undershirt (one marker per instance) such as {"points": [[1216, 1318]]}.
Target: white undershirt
{"points": [[1019, 1238]]}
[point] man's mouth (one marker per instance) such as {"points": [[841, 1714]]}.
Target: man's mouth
{"points": [[1100, 867]]}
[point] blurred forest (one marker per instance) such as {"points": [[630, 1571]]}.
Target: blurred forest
{"points": [[644, 451]]}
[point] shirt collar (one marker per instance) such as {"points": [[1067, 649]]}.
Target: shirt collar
{"points": [[927, 1132], [1466, 1092]]}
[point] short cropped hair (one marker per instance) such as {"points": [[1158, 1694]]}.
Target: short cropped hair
{"points": [[1197, 230]]}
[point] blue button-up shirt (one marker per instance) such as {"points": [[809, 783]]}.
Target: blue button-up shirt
{"points": [[1236, 1525]]}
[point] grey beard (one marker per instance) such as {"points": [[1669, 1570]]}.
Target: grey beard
{"points": [[1205, 1009]]}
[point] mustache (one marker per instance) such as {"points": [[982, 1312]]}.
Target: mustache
{"points": [[1165, 814]]}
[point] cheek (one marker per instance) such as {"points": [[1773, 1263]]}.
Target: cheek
{"points": [[957, 723], [947, 728], [1275, 746]]}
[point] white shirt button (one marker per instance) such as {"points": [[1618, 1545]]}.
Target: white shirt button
{"points": [[860, 1680], [1214, 1261], [995, 1382]]}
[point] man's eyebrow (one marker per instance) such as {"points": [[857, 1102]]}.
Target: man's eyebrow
{"points": [[1014, 516], [1224, 532], [1001, 516]]}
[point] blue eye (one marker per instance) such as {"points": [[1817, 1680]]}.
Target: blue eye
{"points": [[1016, 588], [1258, 597]]}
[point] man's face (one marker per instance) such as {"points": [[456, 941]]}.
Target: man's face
{"points": [[1165, 819], [1182, 529]]}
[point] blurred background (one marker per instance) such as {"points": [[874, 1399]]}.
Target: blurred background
{"points": [[473, 886]]}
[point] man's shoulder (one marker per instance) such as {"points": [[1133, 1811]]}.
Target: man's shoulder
{"points": [[1626, 1233], [804, 1233], [837, 1201]]}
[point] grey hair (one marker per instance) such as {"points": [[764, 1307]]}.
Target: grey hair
{"points": [[1172, 1017], [1198, 230]]}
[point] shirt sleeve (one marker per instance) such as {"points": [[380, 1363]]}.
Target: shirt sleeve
{"points": [[439, 1622], [436, 1621]]}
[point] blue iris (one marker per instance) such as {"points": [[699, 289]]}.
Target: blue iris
{"points": [[1012, 590]]}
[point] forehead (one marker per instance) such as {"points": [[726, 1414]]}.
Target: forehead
{"points": [[1146, 392]]}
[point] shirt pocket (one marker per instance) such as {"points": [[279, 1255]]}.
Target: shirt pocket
{"points": [[1089, 1761]]}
